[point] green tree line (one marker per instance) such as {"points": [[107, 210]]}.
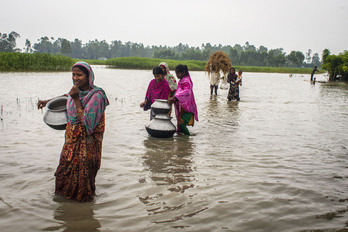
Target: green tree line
{"points": [[336, 65], [243, 55]]}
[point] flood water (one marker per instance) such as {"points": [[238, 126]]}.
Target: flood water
{"points": [[275, 161]]}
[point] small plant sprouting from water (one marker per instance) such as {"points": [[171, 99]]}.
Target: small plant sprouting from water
{"points": [[2, 112]]}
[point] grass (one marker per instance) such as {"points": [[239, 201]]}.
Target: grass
{"points": [[18, 62], [23, 62], [193, 65]]}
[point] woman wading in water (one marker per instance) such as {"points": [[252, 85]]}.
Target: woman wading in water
{"points": [[184, 100], [81, 154]]}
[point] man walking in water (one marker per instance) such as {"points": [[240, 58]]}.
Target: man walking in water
{"points": [[214, 81]]}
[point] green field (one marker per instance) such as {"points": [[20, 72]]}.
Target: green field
{"points": [[193, 65], [23, 62]]}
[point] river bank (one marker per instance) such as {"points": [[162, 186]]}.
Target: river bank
{"points": [[36, 62]]}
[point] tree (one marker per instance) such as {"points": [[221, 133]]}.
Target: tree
{"points": [[308, 56], [326, 53], [262, 49], [248, 47], [234, 56], [76, 49], [192, 54], [164, 54], [43, 46], [336, 65], [276, 57], [65, 47], [295, 59], [8, 42], [28, 48], [316, 60]]}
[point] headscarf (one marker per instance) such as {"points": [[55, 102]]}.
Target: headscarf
{"points": [[185, 96], [93, 100], [169, 77], [156, 90], [231, 77]]}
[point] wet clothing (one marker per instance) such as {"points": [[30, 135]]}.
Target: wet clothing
{"points": [[185, 119], [81, 154], [233, 92], [156, 90], [169, 77], [214, 78], [214, 82], [79, 161], [185, 104]]}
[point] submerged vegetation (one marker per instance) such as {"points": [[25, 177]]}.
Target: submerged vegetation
{"points": [[14, 61]]}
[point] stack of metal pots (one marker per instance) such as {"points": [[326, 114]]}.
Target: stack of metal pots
{"points": [[161, 125]]}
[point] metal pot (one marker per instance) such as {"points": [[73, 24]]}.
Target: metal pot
{"points": [[160, 106], [161, 126], [56, 116]]}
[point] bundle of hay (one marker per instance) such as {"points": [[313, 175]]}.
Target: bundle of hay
{"points": [[218, 62]]}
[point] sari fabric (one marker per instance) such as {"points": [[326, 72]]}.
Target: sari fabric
{"points": [[94, 102], [169, 77], [156, 90], [81, 154], [233, 92], [79, 162], [186, 100]]}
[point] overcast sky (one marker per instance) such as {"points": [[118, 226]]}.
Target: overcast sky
{"points": [[294, 25]]}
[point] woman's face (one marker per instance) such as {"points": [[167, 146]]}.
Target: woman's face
{"points": [[80, 79], [158, 77], [164, 69], [179, 74], [232, 70]]}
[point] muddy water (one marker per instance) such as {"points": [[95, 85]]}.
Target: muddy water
{"points": [[275, 161]]}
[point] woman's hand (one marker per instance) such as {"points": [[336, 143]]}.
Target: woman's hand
{"points": [[143, 103], [42, 103], [74, 92], [171, 100]]}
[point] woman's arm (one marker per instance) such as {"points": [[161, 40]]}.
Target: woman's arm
{"points": [[42, 103]]}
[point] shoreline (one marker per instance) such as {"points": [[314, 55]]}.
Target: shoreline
{"points": [[37, 62]]}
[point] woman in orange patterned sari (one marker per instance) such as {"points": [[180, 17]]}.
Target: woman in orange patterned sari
{"points": [[81, 154]]}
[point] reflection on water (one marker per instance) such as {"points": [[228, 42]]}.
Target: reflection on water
{"points": [[170, 162], [76, 216], [275, 161], [170, 165]]}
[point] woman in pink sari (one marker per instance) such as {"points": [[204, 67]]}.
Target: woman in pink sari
{"points": [[184, 100], [158, 89]]}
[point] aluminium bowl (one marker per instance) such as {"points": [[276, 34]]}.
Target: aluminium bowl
{"points": [[56, 114]]}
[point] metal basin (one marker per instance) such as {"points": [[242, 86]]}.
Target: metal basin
{"points": [[161, 126], [160, 106], [56, 116]]}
